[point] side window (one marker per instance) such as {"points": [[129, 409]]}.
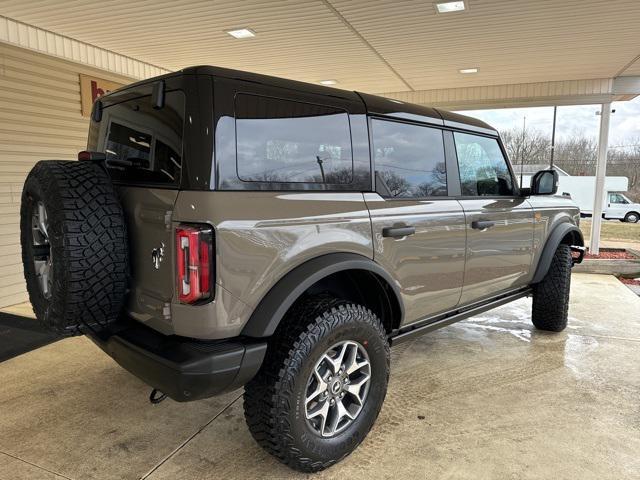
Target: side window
{"points": [[144, 145], [616, 198], [409, 159], [483, 167], [285, 141]]}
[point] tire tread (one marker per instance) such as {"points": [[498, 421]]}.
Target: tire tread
{"points": [[267, 396], [551, 296], [91, 261]]}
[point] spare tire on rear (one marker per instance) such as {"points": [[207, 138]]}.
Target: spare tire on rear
{"points": [[74, 246]]}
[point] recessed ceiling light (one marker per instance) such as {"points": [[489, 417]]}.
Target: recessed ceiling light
{"points": [[242, 33], [328, 82], [448, 7], [468, 70]]}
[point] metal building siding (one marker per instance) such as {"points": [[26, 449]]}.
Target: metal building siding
{"points": [[39, 119]]}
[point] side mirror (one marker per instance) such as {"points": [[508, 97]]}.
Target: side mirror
{"points": [[544, 182]]}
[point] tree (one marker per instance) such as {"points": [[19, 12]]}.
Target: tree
{"points": [[528, 146], [577, 155]]}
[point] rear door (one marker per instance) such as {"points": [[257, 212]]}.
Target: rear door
{"points": [[499, 222], [144, 157], [418, 226]]}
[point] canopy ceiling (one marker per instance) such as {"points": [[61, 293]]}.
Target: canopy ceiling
{"points": [[389, 47]]}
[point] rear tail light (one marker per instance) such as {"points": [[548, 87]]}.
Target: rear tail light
{"points": [[194, 246]]}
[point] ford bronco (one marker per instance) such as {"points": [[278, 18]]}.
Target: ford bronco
{"points": [[227, 229]]}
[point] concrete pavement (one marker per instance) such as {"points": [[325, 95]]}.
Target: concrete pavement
{"points": [[486, 398]]}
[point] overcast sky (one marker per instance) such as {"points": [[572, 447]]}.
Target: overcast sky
{"points": [[625, 122]]}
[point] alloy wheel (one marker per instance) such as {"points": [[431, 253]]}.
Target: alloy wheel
{"points": [[41, 247], [337, 388]]}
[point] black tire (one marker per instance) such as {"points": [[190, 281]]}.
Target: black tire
{"points": [[274, 399], [632, 217], [86, 246], [551, 295]]}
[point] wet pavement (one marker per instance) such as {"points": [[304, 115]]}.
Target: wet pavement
{"points": [[486, 398]]}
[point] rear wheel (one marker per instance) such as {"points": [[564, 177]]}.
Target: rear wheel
{"points": [[74, 246], [321, 386], [551, 295]]}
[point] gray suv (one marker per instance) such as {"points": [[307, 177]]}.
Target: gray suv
{"points": [[227, 229]]}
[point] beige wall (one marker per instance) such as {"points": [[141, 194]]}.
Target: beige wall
{"points": [[40, 118]]}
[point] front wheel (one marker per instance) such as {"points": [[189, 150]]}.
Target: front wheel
{"points": [[551, 295], [321, 386], [632, 217]]}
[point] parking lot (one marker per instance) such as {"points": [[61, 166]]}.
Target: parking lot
{"points": [[489, 397]]}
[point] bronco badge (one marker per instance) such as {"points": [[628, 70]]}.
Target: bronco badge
{"points": [[156, 255]]}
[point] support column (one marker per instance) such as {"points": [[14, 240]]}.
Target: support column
{"points": [[601, 172]]}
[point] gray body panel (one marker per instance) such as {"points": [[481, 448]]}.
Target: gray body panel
{"points": [[148, 215], [260, 237], [429, 265], [549, 212], [500, 257]]}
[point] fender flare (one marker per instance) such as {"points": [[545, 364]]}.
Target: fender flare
{"points": [[553, 241], [275, 304]]}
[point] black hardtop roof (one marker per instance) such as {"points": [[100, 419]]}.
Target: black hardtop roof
{"points": [[375, 105]]}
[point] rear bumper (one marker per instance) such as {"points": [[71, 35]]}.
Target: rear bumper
{"points": [[184, 369]]}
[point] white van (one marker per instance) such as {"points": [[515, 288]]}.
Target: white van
{"points": [[619, 206]]}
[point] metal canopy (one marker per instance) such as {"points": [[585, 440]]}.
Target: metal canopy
{"points": [[371, 46]]}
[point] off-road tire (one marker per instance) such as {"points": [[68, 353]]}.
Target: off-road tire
{"points": [[274, 399], [87, 242], [551, 295]]}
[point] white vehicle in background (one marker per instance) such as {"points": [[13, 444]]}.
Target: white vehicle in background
{"points": [[582, 190], [621, 207]]}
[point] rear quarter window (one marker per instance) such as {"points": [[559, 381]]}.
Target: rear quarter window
{"points": [[284, 141]]}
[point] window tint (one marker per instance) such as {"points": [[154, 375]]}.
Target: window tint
{"points": [[285, 141], [409, 159], [144, 145], [483, 168]]}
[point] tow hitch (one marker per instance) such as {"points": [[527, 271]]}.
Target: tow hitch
{"points": [[580, 251], [156, 396]]}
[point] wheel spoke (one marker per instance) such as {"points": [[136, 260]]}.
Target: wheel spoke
{"points": [[320, 388], [43, 221], [322, 411], [351, 359], [337, 413], [356, 366], [336, 363], [43, 273], [355, 387]]}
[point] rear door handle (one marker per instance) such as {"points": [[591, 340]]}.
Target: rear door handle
{"points": [[482, 224], [398, 231]]}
